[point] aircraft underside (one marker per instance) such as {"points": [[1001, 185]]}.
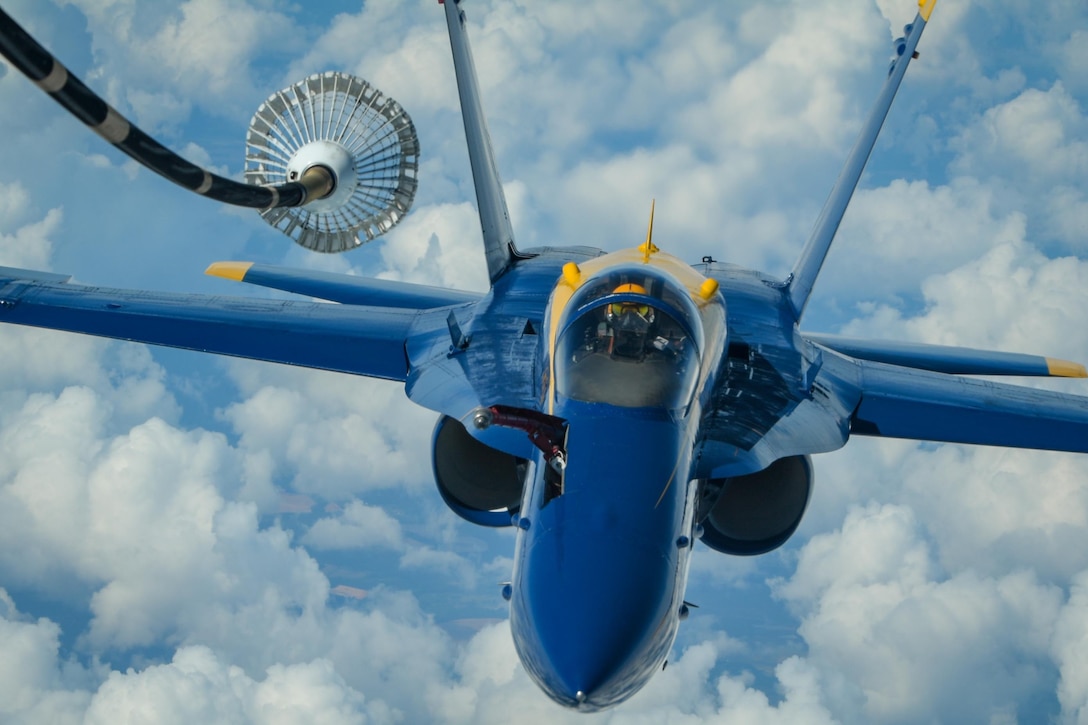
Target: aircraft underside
{"points": [[614, 407]]}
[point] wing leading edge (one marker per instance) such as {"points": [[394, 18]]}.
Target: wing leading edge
{"points": [[343, 288], [366, 341], [900, 402], [952, 360]]}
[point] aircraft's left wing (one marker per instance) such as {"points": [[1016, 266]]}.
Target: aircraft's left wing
{"points": [[900, 402], [343, 288], [947, 359], [350, 339]]}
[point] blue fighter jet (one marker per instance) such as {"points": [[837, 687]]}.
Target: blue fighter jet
{"points": [[613, 407]]}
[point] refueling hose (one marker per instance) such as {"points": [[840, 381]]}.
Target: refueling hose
{"points": [[46, 72]]}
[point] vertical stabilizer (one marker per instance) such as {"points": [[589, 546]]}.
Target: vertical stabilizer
{"points": [[804, 273], [490, 200]]}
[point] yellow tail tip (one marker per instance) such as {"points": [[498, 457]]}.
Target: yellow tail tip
{"points": [[925, 7]]}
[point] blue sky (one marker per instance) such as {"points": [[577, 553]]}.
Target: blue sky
{"points": [[187, 539]]}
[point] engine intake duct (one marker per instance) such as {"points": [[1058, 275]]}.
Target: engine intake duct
{"points": [[479, 483], [756, 513]]}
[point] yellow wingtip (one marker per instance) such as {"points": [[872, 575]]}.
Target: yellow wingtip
{"points": [[1065, 369], [925, 7], [229, 270]]}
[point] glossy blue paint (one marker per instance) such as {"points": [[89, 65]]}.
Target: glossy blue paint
{"points": [[358, 340], [503, 363], [937, 358], [769, 399], [606, 522], [598, 578], [903, 403], [350, 290]]}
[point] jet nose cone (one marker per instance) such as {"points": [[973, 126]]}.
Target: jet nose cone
{"points": [[594, 642], [584, 666]]}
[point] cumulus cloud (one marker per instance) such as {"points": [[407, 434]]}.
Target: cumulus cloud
{"points": [[200, 50], [1074, 56], [894, 638], [29, 245], [1037, 132], [440, 245], [36, 683], [887, 249], [998, 517], [141, 489], [357, 526], [196, 687], [1012, 297], [1068, 644], [337, 435], [1032, 149]]}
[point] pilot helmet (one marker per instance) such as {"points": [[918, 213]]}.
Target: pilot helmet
{"points": [[630, 322], [627, 311]]}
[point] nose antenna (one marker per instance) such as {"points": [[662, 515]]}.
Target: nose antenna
{"points": [[648, 247]]}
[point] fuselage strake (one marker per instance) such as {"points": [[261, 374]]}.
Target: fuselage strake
{"points": [[605, 538]]}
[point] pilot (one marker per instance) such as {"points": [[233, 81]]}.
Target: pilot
{"points": [[628, 324]]}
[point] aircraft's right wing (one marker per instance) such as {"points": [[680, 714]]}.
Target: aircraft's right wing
{"points": [[900, 402], [409, 345], [346, 338]]}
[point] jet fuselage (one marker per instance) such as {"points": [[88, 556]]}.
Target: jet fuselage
{"points": [[632, 339]]}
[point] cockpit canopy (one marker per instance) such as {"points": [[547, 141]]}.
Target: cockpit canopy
{"points": [[629, 337]]}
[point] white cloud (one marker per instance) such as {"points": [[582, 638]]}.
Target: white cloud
{"points": [[438, 245], [30, 245], [34, 680], [1032, 149], [897, 236], [1070, 635], [894, 639], [1012, 298], [147, 504], [338, 435], [807, 107], [1075, 57], [998, 517], [456, 569], [157, 60], [13, 202], [1037, 133], [197, 687], [357, 526]]}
